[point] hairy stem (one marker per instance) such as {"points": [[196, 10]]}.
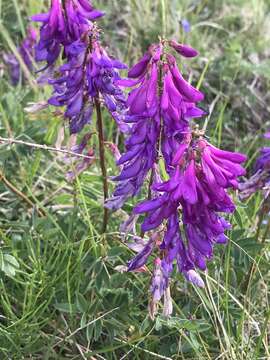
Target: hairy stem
{"points": [[11, 141], [102, 162]]}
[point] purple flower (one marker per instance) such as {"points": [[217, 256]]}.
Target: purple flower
{"points": [[197, 187], [261, 178], [141, 259], [88, 74], [158, 287], [159, 95], [186, 25], [183, 49], [26, 51], [65, 23], [52, 33]]}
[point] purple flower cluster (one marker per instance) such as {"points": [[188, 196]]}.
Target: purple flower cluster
{"points": [[26, 51], [197, 190], [260, 180], [88, 72], [67, 21], [186, 209], [159, 112]]}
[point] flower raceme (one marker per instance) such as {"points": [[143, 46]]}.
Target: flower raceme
{"points": [[88, 73], [161, 105], [197, 187], [186, 209], [197, 191], [65, 23]]}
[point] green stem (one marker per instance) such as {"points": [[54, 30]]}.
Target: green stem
{"points": [[102, 162], [164, 18]]}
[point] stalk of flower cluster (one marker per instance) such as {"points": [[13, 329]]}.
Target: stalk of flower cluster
{"points": [[159, 141], [102, 162]]}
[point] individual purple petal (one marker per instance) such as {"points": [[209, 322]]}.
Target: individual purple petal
{"points": [[141, 259], [139, 68], [183, 49], [194, 278], [149, 205], [184, 87]]}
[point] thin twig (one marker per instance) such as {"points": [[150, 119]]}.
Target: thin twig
{"points": [[20, 194], [11, 141], [84, 326], [102, 162]]}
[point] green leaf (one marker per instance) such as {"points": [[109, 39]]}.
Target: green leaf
{"points": [[81, 303]]}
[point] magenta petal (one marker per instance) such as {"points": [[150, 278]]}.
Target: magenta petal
{"points": [[231, 156], [189, 184], [185, 88], [180, 152], [184, 50], [165, 96], [216, 170], [138, 69], [151, 99], [194, 112], [127, 82], [95, 14]]}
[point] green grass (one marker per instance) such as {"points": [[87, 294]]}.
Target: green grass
{"points": [[60, 296]]}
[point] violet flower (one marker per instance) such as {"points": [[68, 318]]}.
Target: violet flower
{"points": [[67, 21], [88, 74], [26, 51], [198, 187], [260, 180], [173, 105], [186, 25]]}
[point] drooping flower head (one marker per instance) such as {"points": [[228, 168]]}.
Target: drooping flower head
{"points": [[88, 73], [185, 210], [161, 105], [197, 192], [67, 21]]}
